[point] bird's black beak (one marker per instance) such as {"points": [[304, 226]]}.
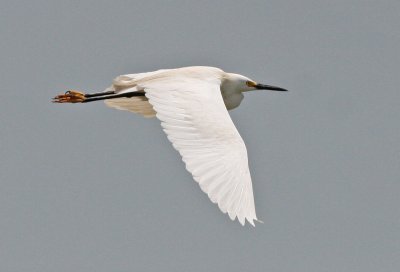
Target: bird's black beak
{"points": [[269, 87]]}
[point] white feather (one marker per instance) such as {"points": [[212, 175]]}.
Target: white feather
{"points": [[196, 121]]}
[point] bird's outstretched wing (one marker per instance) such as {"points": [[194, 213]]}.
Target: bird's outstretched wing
{"points": [[195, 119]]}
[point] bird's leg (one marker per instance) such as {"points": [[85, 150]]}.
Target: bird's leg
{"points": [[99, 94], [128, 95], [73, 96]]}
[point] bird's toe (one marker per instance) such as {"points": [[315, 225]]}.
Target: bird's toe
{"points": [[70, 96]]}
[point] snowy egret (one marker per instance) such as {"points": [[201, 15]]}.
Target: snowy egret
{"points": [[192, 104]]}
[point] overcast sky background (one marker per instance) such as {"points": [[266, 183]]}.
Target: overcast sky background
{"points": [[88, 188]]}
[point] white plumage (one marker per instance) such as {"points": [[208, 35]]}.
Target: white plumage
{"points": [[192, 104]]}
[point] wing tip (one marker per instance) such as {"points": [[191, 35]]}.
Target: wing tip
{"points": [[243, 220]]}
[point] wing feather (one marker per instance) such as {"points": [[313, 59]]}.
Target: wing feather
{"points": [[196, 121], [135, 104]]}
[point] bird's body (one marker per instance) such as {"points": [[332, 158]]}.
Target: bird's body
{"points": [[230, 93], [192, 105]]}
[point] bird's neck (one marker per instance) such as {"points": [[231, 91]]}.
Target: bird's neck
{"points": [[231, 93]]}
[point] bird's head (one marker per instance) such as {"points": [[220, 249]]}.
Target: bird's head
{"points": [[246, 84]]}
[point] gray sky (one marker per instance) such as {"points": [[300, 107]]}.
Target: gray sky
{"points": [[88, 188]]}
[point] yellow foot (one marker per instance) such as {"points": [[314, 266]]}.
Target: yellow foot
{"points": [[70, 96]]}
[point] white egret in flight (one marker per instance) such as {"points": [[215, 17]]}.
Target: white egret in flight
{"points": [[192, 104]]}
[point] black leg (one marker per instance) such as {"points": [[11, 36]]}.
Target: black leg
{"points": [[99, 94], [78, 97], [129, 94]]}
